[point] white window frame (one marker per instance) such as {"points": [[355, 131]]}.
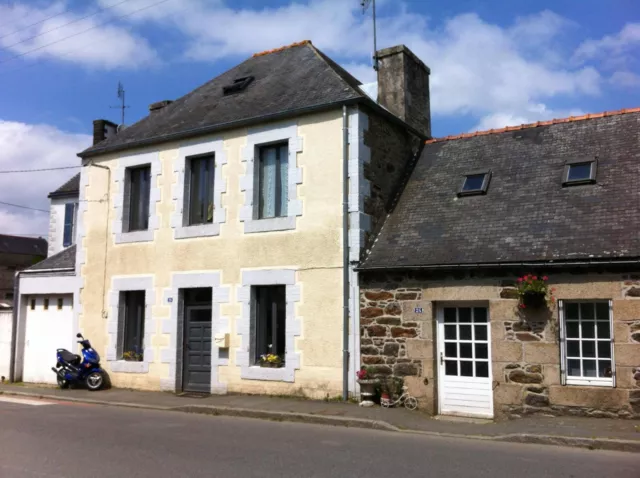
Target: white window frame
{"points": [[585, 381]]}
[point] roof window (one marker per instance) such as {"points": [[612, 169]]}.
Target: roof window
{"points": [[475, 183], [238, 84], [579, 172]]}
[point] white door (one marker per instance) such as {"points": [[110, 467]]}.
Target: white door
{"points": [[49, 327], [464, 351]]}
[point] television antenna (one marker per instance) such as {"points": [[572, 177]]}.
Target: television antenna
{"points": [[122, 105], [365, 5]]}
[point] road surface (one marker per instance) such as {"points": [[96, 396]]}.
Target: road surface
{"points": [[64, 440]]}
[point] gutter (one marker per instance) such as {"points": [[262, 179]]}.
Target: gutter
{"points": [[345, 253], [38, 271], [14, 326]]}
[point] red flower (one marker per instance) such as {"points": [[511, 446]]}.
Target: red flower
{"points": [[545, 278], [522, 306], [520, 279], [535, 277]]}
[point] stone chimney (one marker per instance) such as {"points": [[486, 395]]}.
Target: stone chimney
{"points": [[103, 129], [155, 107], [403, 87]]}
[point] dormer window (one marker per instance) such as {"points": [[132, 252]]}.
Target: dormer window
{"points": [[579, 172], [238, 84], [475, 183]]}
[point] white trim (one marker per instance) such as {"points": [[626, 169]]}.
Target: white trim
{"points": [[251, 278], [359, 187], [255, 138], [121, 236], [213, 146], [219, 324], [123, 284]]}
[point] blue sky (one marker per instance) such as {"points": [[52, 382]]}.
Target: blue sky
{"points": [[494, 63]]}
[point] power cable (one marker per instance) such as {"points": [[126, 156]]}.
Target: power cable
{"points": [[32, 24], [38, 170], [23, 207], [83, 31]]}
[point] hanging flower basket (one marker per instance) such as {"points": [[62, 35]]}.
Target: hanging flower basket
{"points": [[534, 300], [534, 292]]}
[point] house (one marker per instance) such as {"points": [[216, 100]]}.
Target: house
{"points": [[439, 306], [227, 224], [17, 253]]}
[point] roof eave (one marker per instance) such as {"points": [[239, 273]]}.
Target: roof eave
{"points": [[62, 195]]}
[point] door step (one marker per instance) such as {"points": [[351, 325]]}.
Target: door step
{"points": [[194, 395]]}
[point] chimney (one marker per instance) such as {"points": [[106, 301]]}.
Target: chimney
{"points": [[103, 129], [403, 87], [155, 107]]}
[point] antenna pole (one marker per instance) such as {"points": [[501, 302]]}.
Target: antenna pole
{"points": [[375, 39], [122, 107]]}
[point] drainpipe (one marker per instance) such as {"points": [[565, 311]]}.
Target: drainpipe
{"points": [[14, 326], [345, 252]]}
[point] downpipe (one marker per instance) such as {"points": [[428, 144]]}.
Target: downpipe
{"points": [[345, 251]]}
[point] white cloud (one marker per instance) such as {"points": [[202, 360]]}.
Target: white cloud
{"points": [[68, 37], [625, 79], [536, 113], [615, 48], [26, 146]]}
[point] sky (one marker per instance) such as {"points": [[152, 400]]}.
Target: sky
{"points": [[493, 63]]}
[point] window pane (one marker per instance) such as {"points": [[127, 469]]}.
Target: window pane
{"points": [[588, 330], [482, 351], [466, 368], [451, 350], [133, 340], [466, 351], [283, 181], [482, 369], [139, 190], [604, 330], [473, 182], [450, 332], [579, 172], [602, 311], [588, 348], [201, 190], [573, 368], [480, 314], [451, 367], [449, 314], [267, 182], [465, 332], [587, 312], [69, 214], [464, 314], [573, 330], [481, 332], [589, 368], [604, 368], [571, 311], [573, 348], [270, 321], [604, 349]]}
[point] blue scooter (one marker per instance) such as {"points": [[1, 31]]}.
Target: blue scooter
{"points": [[72, 369]]}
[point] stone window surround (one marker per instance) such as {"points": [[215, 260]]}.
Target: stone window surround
{"points": [[124, 284], [220, 324], [286, 277], [257, 137], [213, 146], [122, 236]]}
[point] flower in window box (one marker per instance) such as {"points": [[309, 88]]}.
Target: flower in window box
{"points": [[271, 361], [132, 356], [534, 291]]}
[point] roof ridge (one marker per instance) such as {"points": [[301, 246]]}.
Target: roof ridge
{"points": [[570, 119], [286, 47]]}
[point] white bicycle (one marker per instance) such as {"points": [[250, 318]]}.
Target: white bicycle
{"points": [[409, 402]]}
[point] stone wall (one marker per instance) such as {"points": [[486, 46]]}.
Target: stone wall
{"points": [[525, 346]]}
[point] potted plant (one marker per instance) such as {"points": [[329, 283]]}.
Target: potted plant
{"points": [[367, 386], [133, 355], [534, 291], [271, 361]]}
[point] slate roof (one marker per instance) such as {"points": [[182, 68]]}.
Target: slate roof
{"points": [[23, 245], [289, 80], [65, 259], [70, 188], [526, 215]]}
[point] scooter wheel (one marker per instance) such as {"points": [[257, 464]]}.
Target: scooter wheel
{"points": [[62, 383], [95, 381]]}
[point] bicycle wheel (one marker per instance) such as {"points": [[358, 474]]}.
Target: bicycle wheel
{"points": [[385, 402], [410, 403]]}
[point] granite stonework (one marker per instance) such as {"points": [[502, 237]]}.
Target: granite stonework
{"points": [[398, 337]]}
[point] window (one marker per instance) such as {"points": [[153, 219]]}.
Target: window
{"points": [[475, 183], [200, 188], [69, 220], [139, 180], [132, 340], [60, 303], [46, 304], [273, 174], [33, 304], [579, 172], [238, 84], [586, 336], [269, 309]]}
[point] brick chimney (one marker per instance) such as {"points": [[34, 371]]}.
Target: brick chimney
{"points": [[155, 107], [103, 129], [403, 87]]}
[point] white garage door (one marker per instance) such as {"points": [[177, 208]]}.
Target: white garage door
{"points": [[49, 327]]}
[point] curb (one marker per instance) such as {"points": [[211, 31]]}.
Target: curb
{"points": [[609, 444]]}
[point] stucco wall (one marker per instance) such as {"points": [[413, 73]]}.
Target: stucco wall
{"points": [[525, 348], [313, 249], [6, 317]]}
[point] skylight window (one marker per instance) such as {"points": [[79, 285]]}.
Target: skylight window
{"points": [[579, 172], [475, 183], [238, 84]]}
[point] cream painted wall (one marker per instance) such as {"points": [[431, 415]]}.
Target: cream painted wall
{"points": [[314, 249]]}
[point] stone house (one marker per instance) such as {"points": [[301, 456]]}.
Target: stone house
{"points": [[438, 300], [227, 224]]}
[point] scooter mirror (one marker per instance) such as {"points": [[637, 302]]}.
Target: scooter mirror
{"points": [[79, 335]]}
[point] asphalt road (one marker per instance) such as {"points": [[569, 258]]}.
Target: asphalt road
{"points": [[64, 440]]}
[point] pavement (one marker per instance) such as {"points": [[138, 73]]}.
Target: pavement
{"points": [[592, 433], [46, 438]]}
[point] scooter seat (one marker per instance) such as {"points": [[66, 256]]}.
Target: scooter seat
{"points": [[70, 358]]}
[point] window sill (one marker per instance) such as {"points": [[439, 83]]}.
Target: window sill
{"points": [[134, 236], [585, 382], [255, 372], [272, 224], [198, 230], [124, 366]]}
